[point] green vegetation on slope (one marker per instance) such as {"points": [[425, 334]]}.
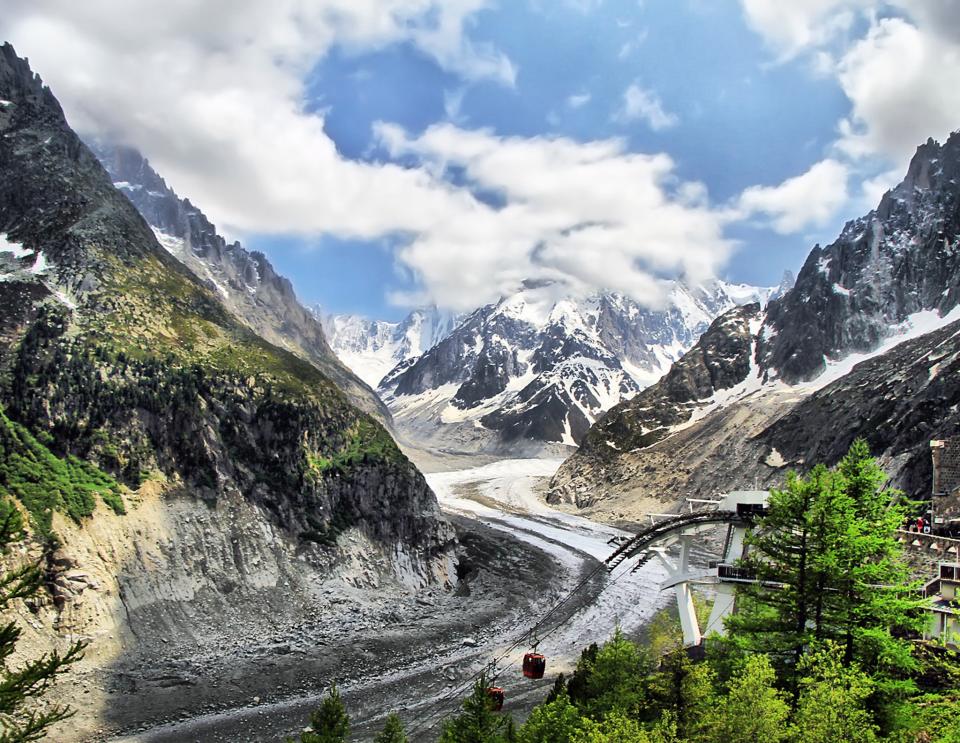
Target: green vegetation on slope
{"points": [[365, 441], [45, 483]]}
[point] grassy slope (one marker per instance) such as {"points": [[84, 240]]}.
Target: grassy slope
{"points": [[44, 482]]}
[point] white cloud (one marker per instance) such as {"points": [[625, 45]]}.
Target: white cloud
{"points": [[900, 74], [811, 199], [630, 46], [577, 100], [873, 189], [790, 27], [453, 103], [898, 66], [642, 104], [588, 214], [213, 94], [902, 82]]}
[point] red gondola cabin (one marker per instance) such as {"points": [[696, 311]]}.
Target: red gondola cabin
{"points": [[496, 697], [534, 665]]}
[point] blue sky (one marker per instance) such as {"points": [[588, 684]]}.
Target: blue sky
{"points": [[742, 119], [386, 153]]}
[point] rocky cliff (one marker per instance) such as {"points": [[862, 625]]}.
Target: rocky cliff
{"points": [[763, 390], [245, 282], [899, 259], [898, 401], [177, 468]]}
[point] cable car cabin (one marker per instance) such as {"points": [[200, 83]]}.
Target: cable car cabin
{"points": [[534, 665], [496, 697]]}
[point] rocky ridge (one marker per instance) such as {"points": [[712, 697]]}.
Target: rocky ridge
{"points": [[539, 366], [886, 288], [192, 469], [245, 281], [900, 259]]}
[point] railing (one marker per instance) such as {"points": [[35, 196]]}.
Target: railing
{"points": [[733, 572], [950, 572]]}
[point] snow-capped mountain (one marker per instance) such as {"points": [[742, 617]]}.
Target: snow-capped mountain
{"points": [[540, 365], [371, 348]]}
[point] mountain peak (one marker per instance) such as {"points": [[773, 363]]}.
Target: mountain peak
{"points": [[541, 364]]}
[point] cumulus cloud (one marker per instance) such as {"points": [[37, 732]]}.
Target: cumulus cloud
{"points": [[586, 214], [873, 189], [901, 80], [213, 93], [807, 200], [899, 74], [578, 100], [791, 27], [640, 104]]}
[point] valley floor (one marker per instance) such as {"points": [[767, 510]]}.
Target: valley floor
{"points": [[521, 557]]}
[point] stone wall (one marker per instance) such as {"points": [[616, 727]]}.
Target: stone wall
{"points": [[946, 479], [925, 552]]}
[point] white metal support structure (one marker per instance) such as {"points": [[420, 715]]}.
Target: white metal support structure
{"points": [[725, 596], [683, 529], [680, 578]]}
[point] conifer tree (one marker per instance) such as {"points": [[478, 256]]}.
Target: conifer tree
{"points": [[873, 595], [478, 723], [615, 727], [552, 722], [833, 700], [613, 679], [392, 731], [779, 613], [829, 567], [330, 723], [681, 688], [21, 688], [753, 710]]}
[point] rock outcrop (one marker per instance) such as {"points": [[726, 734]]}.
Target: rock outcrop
{"points": [[899, 259]]}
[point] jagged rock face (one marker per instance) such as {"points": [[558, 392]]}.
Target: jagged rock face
{"points": [[897, 260], [720, 360], [542, 366], [900, 260], [245, 281], [114, 352], [898, 401]]}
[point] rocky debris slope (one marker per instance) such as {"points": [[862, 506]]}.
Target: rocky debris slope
{"points": [[246, 282], [890, 277], [371, 348], [541, 366], [123, 374]]}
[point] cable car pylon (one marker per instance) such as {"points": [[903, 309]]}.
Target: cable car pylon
{"points": [[737, 510]]}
